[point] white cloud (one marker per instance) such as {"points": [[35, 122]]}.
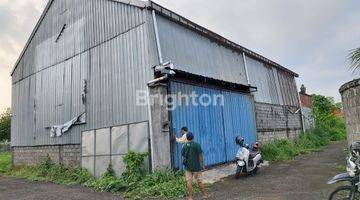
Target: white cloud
{"points": [[17, 20]]}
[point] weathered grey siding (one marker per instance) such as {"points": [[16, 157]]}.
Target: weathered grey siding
{"points": [[194, 53], [288, 89], [262, 77], [107, 43]]}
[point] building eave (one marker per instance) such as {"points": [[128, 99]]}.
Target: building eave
{"points": [[213, 36]]}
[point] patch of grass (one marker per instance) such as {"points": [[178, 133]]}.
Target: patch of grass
{"points": [[161, 185], [50, 172], [134, 183], [311, 141], [5, 161]]}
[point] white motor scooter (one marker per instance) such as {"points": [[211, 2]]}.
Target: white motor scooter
{"points": [[247, 160]]}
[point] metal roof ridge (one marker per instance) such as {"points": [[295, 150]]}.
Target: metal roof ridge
{"points": [[226, 42]]}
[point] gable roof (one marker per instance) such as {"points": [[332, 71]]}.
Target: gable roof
{"points": [[137, 3], [177, 19]]}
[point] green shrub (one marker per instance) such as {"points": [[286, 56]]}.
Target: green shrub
{"points": [[134, 183], [307, 142], [5, 125], [134, 170]]}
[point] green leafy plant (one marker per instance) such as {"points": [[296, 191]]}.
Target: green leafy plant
{"points": [[5, 125], [134, 183], [134, 170], [354, 58], [328, 128]]}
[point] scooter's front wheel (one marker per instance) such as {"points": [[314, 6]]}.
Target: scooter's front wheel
{"points": [[344, 193], [238, 171]]}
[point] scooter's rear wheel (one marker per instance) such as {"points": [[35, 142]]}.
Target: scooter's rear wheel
{"points": [[238, 172], [344, 193]]}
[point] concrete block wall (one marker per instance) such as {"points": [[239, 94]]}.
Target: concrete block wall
{"points": [[68, 155], [277, 122]]}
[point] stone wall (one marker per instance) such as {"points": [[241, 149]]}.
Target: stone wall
{"points": [[277, 122], [68, 155], [350, 93]]}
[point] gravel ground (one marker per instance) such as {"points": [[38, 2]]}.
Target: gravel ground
{"points": [[303, 178], [18, 189]]}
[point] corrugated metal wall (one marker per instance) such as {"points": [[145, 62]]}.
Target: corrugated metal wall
{"points": [[216, 125], [194, 53], [109, 44], [112, 46], [274, 86], [263, 78], [288, 89]]}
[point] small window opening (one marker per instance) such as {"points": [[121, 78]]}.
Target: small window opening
{"points": [[61, 32]]}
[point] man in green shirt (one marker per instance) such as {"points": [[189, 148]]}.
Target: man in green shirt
{"points": [[193, 161]]}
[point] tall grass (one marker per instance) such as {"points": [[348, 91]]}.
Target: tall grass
{"points": [[310, 141]]}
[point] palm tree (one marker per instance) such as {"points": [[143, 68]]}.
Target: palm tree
{"points": [[355, 59]]}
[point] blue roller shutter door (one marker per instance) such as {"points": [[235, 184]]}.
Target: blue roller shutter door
{"points": [[215, 126]]}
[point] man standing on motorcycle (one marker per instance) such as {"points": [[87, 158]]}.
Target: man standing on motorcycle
{"points": [[193, 161]]}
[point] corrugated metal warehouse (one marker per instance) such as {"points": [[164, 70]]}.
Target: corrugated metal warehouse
{"points": [[76, 83]]}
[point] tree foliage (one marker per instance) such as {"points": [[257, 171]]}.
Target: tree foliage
{"points": [[5, 125], [325, 119], [355, 59]]}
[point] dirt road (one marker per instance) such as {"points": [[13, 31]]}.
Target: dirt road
{"points": [[17, 189], [303, 178]]}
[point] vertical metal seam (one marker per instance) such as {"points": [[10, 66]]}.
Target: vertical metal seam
{"points": [[246, 68], [223, 126], [157, 36]]}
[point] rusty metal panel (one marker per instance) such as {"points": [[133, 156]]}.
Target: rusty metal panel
{"points": [[194, 53]]}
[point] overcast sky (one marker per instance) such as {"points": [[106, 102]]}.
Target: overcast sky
{"points": [[312, 38]]}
